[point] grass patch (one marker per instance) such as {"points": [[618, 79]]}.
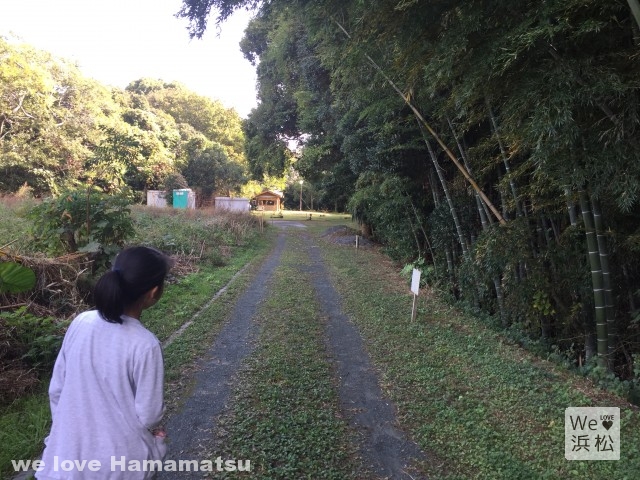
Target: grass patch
{"points": [[486, 407], [182, 300], [317, 218], [285, 417], [12, 211], [23, 426]]}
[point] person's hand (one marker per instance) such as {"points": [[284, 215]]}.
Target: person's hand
{"points": [[159, 432]]}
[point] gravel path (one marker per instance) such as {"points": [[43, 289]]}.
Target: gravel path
{"points": [[382, 444]]}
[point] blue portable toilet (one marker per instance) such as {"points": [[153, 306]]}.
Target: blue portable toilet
{"points": [[181, 198]]}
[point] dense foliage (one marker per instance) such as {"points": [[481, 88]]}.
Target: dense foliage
{"points": [[60, 130], [495, 142]]}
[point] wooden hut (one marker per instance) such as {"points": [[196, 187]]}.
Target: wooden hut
{"points": [[268, 200]]}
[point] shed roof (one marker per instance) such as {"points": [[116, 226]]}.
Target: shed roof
{"points": [[270, 193]]}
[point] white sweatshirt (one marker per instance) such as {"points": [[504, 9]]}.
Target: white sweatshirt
{"points": [[106, 393]]}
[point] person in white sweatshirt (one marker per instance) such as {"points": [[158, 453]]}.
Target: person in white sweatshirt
{"points": [[106, 393]]}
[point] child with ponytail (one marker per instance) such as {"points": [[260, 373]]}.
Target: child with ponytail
{"points": [[106, 392]]}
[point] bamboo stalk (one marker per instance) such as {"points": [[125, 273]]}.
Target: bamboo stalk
{"points": [[450, 267], [602, 336], [485, 224], [635, 10], [426, 125], [424, 232], [445, 188], [573, 218], [606, 276], [505, 160], [434, 192], [463, 155]]}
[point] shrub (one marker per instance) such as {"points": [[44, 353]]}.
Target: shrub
{"points": [[28, 346], [83, 221]]}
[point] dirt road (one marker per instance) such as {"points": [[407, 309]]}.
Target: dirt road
{"points": [[382, 445]]}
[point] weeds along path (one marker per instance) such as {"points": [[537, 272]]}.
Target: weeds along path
{"points": [[191, 426]]}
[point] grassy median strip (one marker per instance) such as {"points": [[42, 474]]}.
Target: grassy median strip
{"points": [[486, 408], [285, 417]]}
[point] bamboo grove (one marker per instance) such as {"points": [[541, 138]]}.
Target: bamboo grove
{"points": [[493, 142]]}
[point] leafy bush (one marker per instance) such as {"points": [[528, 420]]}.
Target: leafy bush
{"points": [[28, 346], [427, 275], [39, 338], [383, 202], [83, 221]]}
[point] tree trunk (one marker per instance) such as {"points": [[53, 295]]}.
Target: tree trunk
{"points": [[602, 337]]}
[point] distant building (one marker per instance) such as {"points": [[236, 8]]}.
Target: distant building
{"points": [[155, 198], [268, 200], [232, 204]]}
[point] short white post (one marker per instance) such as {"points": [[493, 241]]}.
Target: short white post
{"points": [[415, 289], [414, 308]]}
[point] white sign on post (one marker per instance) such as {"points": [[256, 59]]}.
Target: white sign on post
{"points": [[415, 281]]}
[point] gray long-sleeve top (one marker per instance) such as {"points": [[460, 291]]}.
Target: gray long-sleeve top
{"points": [[106, 394]]}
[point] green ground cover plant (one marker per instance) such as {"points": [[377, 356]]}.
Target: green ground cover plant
{"points": [[485, 407]]}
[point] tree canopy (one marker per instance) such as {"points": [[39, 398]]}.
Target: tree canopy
{"points": [[60, 130]]}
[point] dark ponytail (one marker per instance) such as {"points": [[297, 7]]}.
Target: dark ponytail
{"points": [[136, 270]]}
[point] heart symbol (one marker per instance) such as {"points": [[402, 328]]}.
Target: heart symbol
{"points": [[607, 424]]}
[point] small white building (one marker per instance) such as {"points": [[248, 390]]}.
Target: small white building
{"points": [[232, 204], [155, 198]]}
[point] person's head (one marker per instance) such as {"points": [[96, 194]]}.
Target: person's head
{"points": [[137, 275]]}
